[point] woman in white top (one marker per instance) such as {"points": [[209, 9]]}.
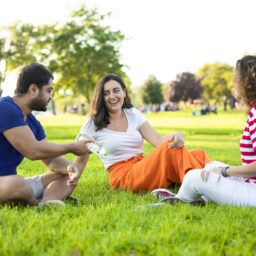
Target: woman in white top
{"points": [[218, 182], [120, 128]]}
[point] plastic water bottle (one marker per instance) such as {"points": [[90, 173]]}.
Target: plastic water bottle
{"points": [[93, 146]]}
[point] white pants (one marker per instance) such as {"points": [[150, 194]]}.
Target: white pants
{"points": [[218, 189]]}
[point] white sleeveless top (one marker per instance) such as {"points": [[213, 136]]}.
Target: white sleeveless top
{"points": [[120, 145]]}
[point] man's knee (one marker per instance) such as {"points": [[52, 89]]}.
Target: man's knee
{"points": [[49, 177], [14, 187], [14, 183]]}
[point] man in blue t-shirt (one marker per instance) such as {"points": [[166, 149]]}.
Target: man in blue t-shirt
{"points": [[22, 135]]}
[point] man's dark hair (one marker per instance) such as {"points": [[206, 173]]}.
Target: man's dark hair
{"points": [[33, 73]]}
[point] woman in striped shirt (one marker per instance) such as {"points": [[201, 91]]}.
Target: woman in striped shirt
{"points": [[220, 183]]}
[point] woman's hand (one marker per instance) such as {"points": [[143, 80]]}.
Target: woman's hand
{"points": [[74, 175], [177, 139], [217, 170]]}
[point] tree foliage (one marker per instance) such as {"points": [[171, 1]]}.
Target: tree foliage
{"points": [[185, 87], [86, 51], [151, 91], [2, 64], [78, 52], [216, 80]]}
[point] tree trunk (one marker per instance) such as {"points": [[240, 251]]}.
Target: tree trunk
{"points": [[88, 99], [53, 107]]}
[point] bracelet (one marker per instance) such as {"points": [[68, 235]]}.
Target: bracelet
{"points": [[224, 171]]}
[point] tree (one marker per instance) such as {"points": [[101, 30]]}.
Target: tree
{"points": [[28, 44], [78, 52], [185, 87], [151, 91], [2, 64], [86, 50], [216, 80]]}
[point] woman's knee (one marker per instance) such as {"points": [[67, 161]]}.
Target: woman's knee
{"points": [[189, 187], [163, 145], [192, 176], [199, 178], [206, 175]]}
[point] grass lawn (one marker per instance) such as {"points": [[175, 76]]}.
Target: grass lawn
{"points": [[107, 222]]}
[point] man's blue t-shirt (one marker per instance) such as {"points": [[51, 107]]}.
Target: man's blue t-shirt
{"points": [[11, 116]]}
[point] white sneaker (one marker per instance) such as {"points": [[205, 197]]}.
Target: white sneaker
{"points": [[163, 193], [51, 203]]}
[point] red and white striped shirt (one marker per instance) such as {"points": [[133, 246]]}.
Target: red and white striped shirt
{"points": [[248, 142]]}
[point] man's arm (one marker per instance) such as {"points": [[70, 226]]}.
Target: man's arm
{"points": [[57, 164], [63, 166], [23, 140]]}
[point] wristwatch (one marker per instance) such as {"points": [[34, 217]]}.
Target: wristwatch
{"points": [[224, 171]]}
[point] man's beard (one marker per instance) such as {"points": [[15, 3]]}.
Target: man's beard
{"points": [[38, 104]]}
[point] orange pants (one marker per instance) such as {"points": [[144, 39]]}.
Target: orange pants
{"points": [[161, 168]]}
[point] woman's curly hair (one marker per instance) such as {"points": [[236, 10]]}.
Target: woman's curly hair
{"points": [[245, 80]]}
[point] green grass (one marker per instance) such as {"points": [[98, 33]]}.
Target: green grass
{"points": [[107, 221]]}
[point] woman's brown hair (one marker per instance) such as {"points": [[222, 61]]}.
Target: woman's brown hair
{"points": [[245, 80], [98, 110]]}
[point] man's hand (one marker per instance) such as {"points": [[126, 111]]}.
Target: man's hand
{"points": [[177, 140], [74, 175], [80, 148]]}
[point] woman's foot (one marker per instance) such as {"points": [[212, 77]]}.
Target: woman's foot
{"points": [[175, 200], [162, 193]]}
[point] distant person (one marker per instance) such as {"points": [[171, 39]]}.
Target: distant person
{"points": [[225, 102], [232, 103], [64, 108], [145, 110], [74, 109], [21, 135], [120, 128], [220, 183], [83, 109]]}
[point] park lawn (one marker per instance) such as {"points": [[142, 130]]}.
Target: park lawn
{"points": [[107, 222]]}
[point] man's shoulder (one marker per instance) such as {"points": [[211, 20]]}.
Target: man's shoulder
{"points": [[6, 100], [8, 106], [10, 114]]}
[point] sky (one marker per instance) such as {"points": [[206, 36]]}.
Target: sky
{"points": [[164, 37]]}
